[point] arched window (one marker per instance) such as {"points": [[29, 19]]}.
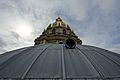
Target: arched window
{"points": [[60, 42], [64, 31], [53, 31]]}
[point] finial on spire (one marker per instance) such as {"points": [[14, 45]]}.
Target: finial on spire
{"points": [[58, 19]]}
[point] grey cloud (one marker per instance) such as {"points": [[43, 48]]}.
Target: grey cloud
{"points": [[93, 21], [2, 43], [2, 46], [16, 35]]}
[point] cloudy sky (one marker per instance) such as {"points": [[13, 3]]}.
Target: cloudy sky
{"points": [[96, 22]]}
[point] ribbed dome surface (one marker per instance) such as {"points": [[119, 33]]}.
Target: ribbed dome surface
{"points": [[54, 61]]}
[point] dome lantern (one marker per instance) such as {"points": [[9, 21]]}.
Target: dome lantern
{"points": [[57, 32]]}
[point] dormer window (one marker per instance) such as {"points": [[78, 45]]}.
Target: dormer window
{"points": [[53, 31], [64, 31]]}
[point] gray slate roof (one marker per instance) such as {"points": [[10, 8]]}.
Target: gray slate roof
{"points": [[54, 61]]}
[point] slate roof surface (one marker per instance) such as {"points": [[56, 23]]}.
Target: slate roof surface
{"points": [[54, 61]]}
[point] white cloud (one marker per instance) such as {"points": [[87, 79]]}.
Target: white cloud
{"points": [[77, 8], [106, 5], [95, 19]]}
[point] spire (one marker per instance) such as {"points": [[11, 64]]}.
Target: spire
{"points": [[59, 22]]}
